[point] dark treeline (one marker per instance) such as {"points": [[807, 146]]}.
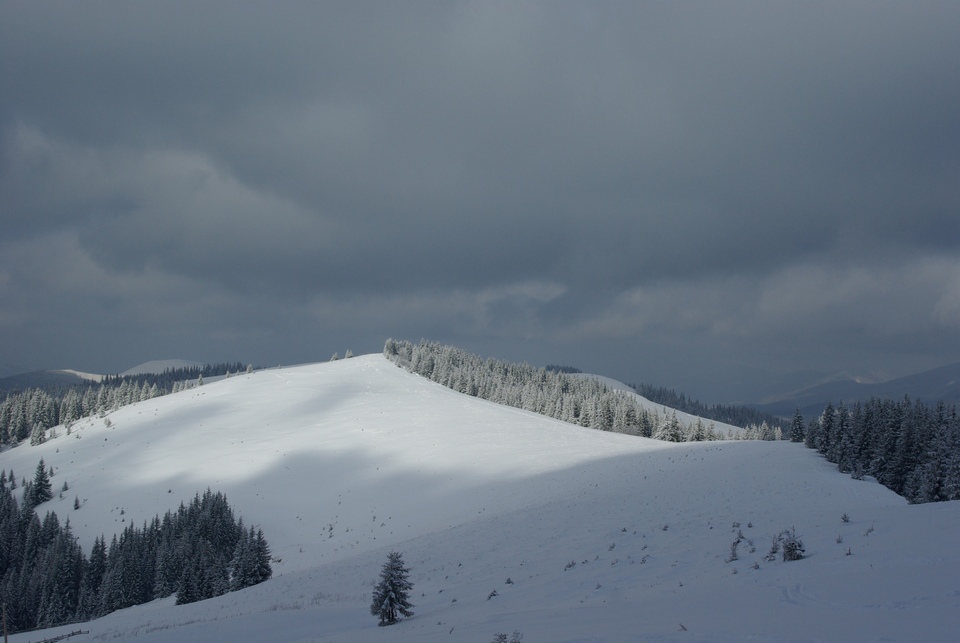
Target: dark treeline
{"points": [[742, 416], [28, 414], [565, 396], [198, 552], [170, 376], [907, 446], [556, 368]]}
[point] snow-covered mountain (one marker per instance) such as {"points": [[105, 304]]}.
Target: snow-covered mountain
{"points": [[508, 520]]}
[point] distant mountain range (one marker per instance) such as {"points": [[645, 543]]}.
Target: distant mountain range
{"points": [[42, 379], [65, 377], [930, 386]]}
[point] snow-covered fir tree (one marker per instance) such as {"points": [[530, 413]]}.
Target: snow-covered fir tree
{"points": [[391, 596], [42, 489], [250, 564], [797, 428]]}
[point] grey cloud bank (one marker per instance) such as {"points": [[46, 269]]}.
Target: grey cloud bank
{"points": [[694, 195]]}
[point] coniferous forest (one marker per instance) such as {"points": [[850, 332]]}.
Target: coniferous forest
{"points": [[909, 447], [557, 393], [730, 414], [197, 552]]}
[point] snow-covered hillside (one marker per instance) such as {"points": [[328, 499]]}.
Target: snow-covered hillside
{"points": [[603, 537]]}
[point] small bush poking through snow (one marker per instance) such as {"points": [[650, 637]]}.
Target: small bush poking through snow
{"points": [[733, 550], [792, 545]]}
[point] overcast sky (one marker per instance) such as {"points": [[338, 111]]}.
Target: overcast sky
{"points": [[701, 195]]}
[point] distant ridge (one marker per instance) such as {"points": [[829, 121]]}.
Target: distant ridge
{"points": [[92, 377], [158, 366], [66, 378], [935, 385], [44, 380]]}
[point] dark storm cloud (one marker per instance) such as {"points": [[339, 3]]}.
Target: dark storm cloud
{"points": [[698, 184]]}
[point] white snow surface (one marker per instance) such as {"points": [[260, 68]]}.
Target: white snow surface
{"points": [[342, 462]]}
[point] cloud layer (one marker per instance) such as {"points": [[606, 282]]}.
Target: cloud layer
{"points": [[663, 192]]}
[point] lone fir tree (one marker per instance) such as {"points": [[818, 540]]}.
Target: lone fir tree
{"points": [[798, 431], [391, 595], [42, 489]]}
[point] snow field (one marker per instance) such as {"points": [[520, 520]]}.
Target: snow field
{"points": [[342, 462]]}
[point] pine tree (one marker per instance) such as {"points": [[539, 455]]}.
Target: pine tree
{"points": [[240, 565], [826, 432], [38, 435], [42, 489], [391, 595], [798, 428], [262, 570], [812, 436], [96, 567], [670, 430]]}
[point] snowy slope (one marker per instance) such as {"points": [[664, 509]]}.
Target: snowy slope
{"points": [[343, 461]]}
